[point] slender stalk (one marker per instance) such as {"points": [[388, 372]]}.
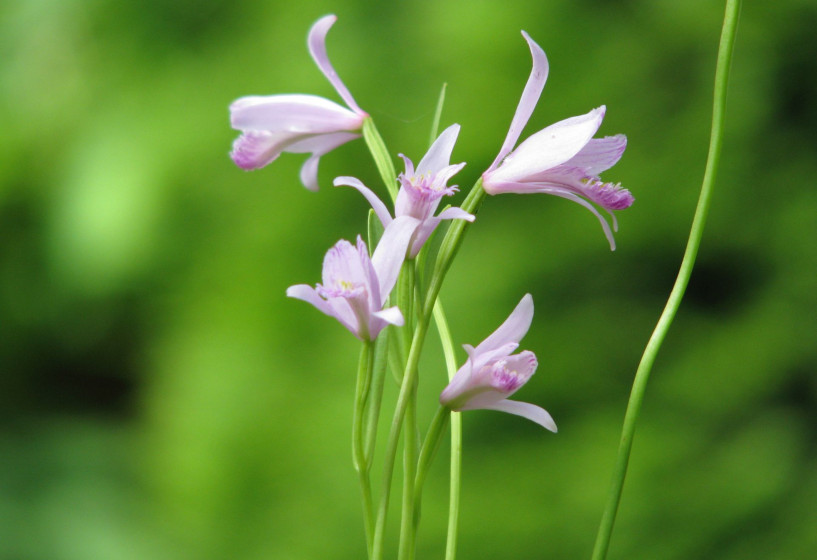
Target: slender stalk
{"points": [[455, 473], [381, 354], [359, 457], [410, 444], [429, 449], [643, 372], [448, 249]]}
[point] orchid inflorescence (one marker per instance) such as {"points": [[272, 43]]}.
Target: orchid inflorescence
{"points": [[369, 292]]}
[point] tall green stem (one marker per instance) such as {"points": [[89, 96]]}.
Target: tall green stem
{"points": [[455, 471], [448, 250], [643, 372], [359, 455]]}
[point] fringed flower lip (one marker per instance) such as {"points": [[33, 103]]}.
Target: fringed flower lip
{"points": [[296, 123], [492, 373], [563, 159], [420, 190]]}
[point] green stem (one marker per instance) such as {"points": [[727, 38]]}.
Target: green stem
{"points": [[430, 447], [674, 301], [359, 458], [455, 475], [381, 354], [410, 444], [448, 250], [380, 154]]}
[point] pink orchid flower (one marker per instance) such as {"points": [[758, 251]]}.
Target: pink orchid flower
{"points": [[355, 287], [492, 374], [420, 190], [296, 123], [563, 159]]}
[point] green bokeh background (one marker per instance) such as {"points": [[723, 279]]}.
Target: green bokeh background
{"points": [[161, 398]]}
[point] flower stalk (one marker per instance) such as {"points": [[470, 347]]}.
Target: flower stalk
{"points": [[642, 375]]}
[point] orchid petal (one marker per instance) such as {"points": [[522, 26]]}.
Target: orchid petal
{"points": [[439, 154], [255, 149], [308, 294], [549, 147], [600, 154], [377, 205], [318, 145], [390, 253], [299, 113], [513, 329], [455, 214], [530, 95], [317, 48], [391, 315], [526, 410]]}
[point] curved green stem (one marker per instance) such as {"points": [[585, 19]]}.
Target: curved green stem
{"points": [[430, 446], [642, 374]]}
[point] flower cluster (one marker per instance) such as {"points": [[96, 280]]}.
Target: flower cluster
{"points": [[563, 159]]}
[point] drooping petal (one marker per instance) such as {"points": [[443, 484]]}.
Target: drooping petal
{"points": [[526, 410], [530, 95], [310, 295], [317, 48], [546, 149], [512, 330], [377, 205], [319, 146], [439, 154], [390, 253], [299, 113], [255, 149]]}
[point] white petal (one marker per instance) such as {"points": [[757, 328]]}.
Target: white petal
{"points": [[600, 154], [292, 113], [512, 330], [530, 95], [439, 154], [390, 253], [316, 41], [526, 410], [377, 205], [549, 147]]}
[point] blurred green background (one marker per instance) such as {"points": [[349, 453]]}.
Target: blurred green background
{"points": [[161, 398]]}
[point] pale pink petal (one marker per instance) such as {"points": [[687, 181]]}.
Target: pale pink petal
{"points": [[530, 95], [377, 205], [318, 145], [456, 214], [391, 315], [439, 154], [299, 113], [600, 154], [547, 148], [512, 330], [308, 294], [390, 253], [317, 48], [255, 149], [526, 410]]}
